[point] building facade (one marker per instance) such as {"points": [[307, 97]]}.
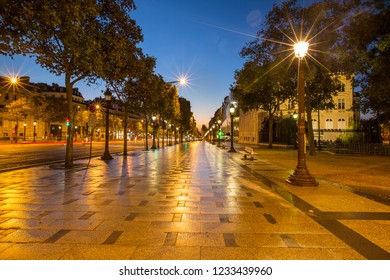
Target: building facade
{"points": [[25, 124], [328, 124]]}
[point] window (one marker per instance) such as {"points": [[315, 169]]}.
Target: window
{"points": [[329, 124], [341, 104], [342, 89], [315, 124], [342, 124], [290, 105]]}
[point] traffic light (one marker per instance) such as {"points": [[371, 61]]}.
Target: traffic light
{"points": [[68, 122]]}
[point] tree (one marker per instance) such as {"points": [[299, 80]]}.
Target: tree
{"points": [[78, 39], [54, 110], [30, 105], [254, 90], [122, 84], [287, 24], [364, 49], [320, 89], [185, 117], [17, 110], [145, 90], [171, 107]]}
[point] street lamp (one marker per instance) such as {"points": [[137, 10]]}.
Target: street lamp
{"points": [[213, 134], [182, 81], [169, 134], [107, 155], [232, 109], [24, 132], [154, 132], [35, 125], [295, 117], [301, 175], [219, 133]]}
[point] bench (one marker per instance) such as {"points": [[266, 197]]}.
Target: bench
{"points": [[248, 151]]}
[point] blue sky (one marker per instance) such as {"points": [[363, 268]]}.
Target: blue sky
{"points": [[197, 38]]}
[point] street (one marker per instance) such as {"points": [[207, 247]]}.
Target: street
{"points": [[188, 201], [22, 155]]}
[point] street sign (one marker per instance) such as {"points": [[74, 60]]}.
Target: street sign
{"points": [[92, 107]]}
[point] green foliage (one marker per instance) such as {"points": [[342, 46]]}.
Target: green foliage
{"points": [[172, 105], [352, 135], [185, 114], [17, 110], [364, 49], [81, 39], [54, 110]]}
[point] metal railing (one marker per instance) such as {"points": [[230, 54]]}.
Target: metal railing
{"points": [[358, 148]]}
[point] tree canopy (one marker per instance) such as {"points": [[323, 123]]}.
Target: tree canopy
{"points": [[81, 39], [364, 49]]}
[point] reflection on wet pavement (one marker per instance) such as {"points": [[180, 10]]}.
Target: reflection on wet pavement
{"points": [[189, 201]]}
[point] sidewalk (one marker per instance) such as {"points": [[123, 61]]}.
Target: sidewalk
{"points": [[191, 201]]}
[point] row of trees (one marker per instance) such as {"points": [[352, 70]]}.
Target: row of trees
{"points": [[88, 40], [345, 37], [49, 110]]}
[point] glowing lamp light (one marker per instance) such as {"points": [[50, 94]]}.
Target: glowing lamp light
{"points": [[183, 81], [14, 80], [301, 49]]}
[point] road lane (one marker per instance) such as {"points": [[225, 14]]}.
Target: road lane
{"points": [[14, 156]]}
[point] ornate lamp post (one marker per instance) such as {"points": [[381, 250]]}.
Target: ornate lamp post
{"points": [[218, 133], [232, 109], [213, 134], [154, 132], [24, 132], [35, 125], [107, 155], [169, 134], [301, 175]]}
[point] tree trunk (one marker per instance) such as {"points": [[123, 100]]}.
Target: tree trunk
{"points": [[70, 130], [146, 134], [168, 140], [319, 131], [270, 130], [125, 132], [310, 127], [380, 141]]}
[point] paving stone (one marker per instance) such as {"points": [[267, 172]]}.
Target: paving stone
{"points": [[166, 253], [35, 251], [176, 203], [28, 235], [99, 252]]}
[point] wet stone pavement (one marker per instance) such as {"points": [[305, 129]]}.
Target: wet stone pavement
{"points": [[190, 201]]}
